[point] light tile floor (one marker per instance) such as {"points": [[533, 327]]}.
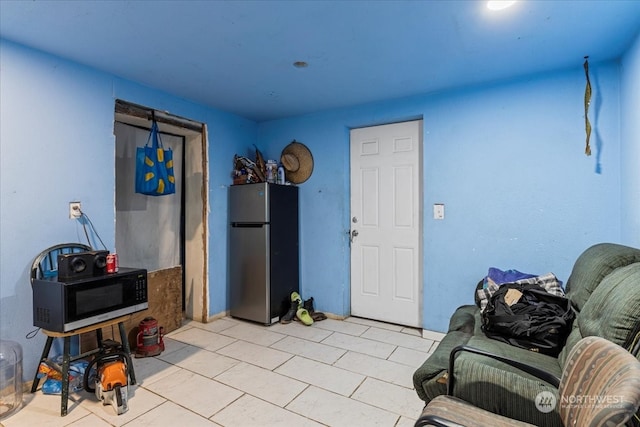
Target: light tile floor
{"points": [[350, 373]]}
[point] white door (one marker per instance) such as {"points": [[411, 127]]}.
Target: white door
{"points": [[386, 226]]}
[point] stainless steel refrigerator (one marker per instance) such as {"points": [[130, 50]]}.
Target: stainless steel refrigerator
{"points": [[263, 250]]}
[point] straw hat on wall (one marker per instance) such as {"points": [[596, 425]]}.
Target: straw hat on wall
{"points": [[297, 162]]}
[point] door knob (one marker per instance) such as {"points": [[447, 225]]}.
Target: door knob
{"points": [[354, 234]]}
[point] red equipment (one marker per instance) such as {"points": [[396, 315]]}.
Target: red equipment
{"points": [[149, 339]]}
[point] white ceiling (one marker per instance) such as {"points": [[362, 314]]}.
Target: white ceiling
{"points": [[237, 55]]}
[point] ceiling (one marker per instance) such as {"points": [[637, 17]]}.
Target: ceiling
{"points": [[238, 56]]}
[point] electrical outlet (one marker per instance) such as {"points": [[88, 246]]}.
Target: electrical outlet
{"points": [[74, 210], [438, 211]]}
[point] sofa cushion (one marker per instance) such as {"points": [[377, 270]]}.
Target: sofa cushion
{"points": [[503, 390], [612, 312], [593, 265]]}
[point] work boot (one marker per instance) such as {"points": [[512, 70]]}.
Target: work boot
{"points": [[315, 315], [291, 314], [308, 304]]}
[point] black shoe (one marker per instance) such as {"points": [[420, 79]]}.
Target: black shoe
{"points": [[315, 315], [291, 314], [308, 305]]}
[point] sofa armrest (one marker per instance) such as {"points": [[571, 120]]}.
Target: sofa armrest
{"points": [[434, 420], [539, 373]]}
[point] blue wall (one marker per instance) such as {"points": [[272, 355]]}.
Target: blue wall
{"points": [[57, 145], [630, 144], [507, 161]]}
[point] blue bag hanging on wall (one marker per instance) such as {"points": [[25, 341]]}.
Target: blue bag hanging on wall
{"points": [[154, 167]]}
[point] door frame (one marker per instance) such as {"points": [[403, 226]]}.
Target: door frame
{"points": [[420, 204], [196, 236]]}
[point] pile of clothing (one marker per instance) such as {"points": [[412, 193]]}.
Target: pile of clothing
{"points": [[525, 310], [496, 278]]}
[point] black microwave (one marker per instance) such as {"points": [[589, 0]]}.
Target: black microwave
{"points": [[67, 306]]}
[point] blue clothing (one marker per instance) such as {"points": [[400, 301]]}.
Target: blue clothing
{"points": [[509, 276]]}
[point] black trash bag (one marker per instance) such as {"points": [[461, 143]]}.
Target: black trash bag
{"points": [[527, 316]]}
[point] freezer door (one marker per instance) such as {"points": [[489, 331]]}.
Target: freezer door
{"points": [[248, 203], [249, 272]]}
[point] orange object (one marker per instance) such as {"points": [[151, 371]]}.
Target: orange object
{"points": [[49, 372], [113, 374]]}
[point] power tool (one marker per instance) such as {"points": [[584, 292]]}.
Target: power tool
{"points": [[110, 376]]}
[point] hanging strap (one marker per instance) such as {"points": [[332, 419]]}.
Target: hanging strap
{"points": [[587, 102], [154, 136]]}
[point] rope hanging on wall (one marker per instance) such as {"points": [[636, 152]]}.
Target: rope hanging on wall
{"points": [[587, 102]]}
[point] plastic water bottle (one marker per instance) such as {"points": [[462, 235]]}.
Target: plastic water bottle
{"points": [[10, 378], [281, 178], [271, 171]]}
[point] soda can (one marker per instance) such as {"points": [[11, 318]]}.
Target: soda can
{"points": [[111, 263]]}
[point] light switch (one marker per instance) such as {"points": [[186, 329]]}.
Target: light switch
{"points": [[438, 211]]}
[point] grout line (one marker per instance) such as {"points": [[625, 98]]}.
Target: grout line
{"points": [[199, 346]]}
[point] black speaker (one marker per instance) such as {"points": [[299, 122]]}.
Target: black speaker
{"points": [[81, 264]]}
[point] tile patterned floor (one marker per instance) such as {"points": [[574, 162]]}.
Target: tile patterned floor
{"points": [[230, 373]]}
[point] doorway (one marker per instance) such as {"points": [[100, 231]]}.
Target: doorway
{"points": [[386, 224], [166, 235]]}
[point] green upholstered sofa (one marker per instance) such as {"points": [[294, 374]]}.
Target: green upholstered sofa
{"points": [[604, 289]]}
